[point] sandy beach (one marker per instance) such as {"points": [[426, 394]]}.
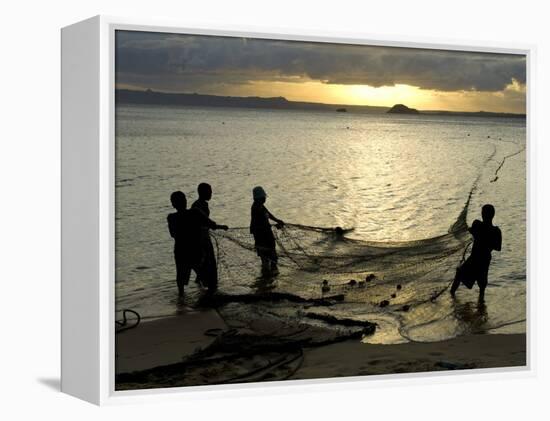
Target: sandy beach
{"points": [[182, 351], [352, 358]]}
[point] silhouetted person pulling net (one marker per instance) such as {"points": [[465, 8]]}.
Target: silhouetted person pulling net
{"points": [[185, 234], [487, 238], [207, 271], [260, 228]]}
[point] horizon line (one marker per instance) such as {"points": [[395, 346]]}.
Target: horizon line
{"points": [[312, 102]]}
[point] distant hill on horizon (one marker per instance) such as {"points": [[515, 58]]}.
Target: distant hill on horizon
{"points": [[149, 97], [473, 114]]}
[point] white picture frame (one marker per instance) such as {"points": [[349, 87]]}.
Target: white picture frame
{"points": [[88, 162]]}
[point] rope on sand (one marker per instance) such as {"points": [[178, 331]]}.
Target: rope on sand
{"points": [[122, 325]]}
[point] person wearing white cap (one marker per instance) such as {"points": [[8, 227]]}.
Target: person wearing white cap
{"points": [[260, 228]]}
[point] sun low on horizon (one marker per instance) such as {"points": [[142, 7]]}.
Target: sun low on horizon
{"points": [[321, 73], [386, 96]]}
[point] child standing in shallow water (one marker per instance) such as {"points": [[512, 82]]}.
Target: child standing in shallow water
{"points": [[260, 228], [487, 238], [181, 229]]}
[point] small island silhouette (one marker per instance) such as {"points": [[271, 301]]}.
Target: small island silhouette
{"points": [[402, 109]]}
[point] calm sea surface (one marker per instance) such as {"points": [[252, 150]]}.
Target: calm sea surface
{"points": [[390, 178]]}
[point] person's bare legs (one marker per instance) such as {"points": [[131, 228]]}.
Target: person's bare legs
{"points": [[455, 286], [482, 283], [183, 273], [265, 265], [481, 298], [274, 268]]}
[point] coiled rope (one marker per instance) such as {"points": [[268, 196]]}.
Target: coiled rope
{"points": [[122, 325]]}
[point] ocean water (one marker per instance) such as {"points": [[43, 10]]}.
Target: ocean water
{"points": [[404, 186]]}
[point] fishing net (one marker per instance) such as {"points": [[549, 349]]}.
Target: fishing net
{"points": [[317, 263], [330, 288], [323, 262]]}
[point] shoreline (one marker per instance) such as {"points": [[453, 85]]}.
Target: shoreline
{"points": [[459, 353], [193, 349]]}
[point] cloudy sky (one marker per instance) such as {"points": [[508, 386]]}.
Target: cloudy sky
{"points": [[319, 72]]}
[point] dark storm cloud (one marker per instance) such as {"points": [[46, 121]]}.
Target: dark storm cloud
{"points": [[178, 62]]}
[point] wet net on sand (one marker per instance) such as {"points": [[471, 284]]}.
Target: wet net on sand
{"points": [[330, 288]]}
